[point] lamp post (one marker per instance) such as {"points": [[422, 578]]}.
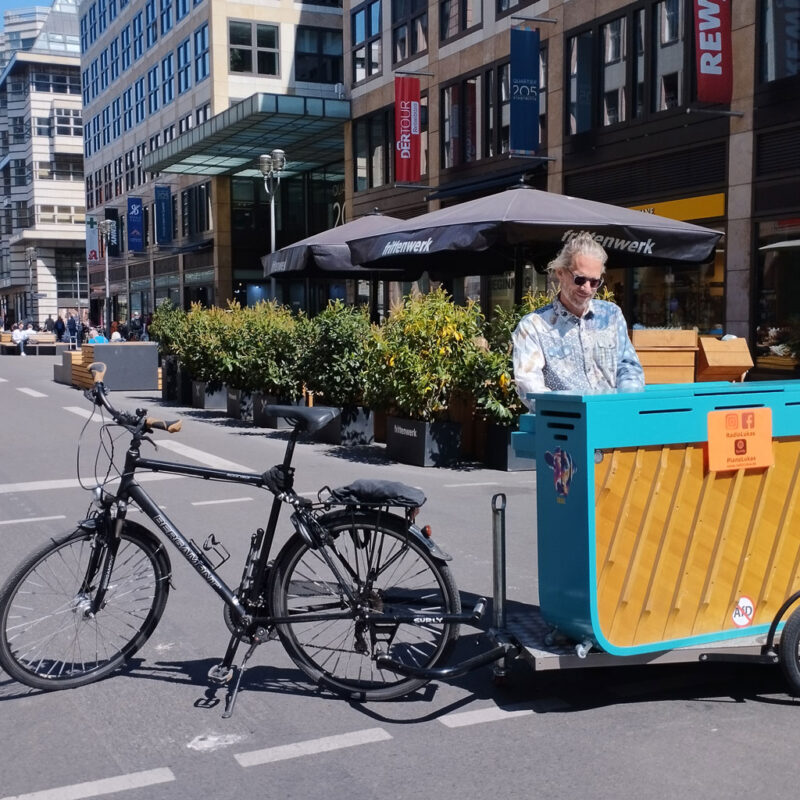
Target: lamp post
{"points": [[30, 255], [104, 228], [271, 166]]}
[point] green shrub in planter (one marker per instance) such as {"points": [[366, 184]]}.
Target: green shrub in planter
{"points": [[168, 328], [423, 353], [335, 364], [275, 341], [201, 348]]}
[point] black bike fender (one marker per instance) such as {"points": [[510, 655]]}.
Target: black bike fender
{"points": [[90, 525]]}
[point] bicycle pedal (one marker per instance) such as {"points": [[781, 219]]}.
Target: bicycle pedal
{"points": [[219, 673]]}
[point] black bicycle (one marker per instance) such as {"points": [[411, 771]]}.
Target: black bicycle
{"points": [[360, 595]]}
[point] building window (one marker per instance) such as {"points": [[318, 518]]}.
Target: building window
{"points": [[104, 70], [409, 28], [127, 109], [125, 44], [373, 147], [94, 79], [68, 122], [612, 75], [779, 34], [668, 57], [366, 38], [166, 16], [139, 97], [459, 122], [184, 66], [116, 118], [457, 16], [182, 8], [153, 85], [167, 79], [318, 55], [42, 126], [253, 48], [151, 23], [102, 15], [114, 59], [138, 36], [201, 53]]}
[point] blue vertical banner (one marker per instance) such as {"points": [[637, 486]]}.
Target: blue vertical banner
{"points": [[163, 215], [524, 101], [135, 224], [113, 239]]}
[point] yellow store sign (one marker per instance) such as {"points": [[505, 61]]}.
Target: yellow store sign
{"points": [[704, 206]]}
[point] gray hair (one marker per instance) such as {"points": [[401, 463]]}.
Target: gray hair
{"points": [[582, 244]]}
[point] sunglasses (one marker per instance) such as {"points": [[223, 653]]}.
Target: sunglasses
{"points": [[595, 283]]}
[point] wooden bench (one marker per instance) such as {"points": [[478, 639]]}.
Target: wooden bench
{"points": [[37, 344]]}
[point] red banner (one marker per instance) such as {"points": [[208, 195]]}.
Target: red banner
{"points": [[406, 130], [712, 38]]}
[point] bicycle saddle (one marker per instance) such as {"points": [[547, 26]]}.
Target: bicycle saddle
{"points": [[307, 419]]}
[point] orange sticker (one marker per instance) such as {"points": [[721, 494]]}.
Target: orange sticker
{"points": [[740, 438]]}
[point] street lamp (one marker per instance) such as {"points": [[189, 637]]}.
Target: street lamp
{"points": [[30, 254], [271, 166], [104, 228]]}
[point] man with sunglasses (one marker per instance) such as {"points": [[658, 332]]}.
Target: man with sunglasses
{"points": [[576, 342]]}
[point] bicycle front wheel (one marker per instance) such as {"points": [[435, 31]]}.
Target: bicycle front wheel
{"points": [[391, 575], [49, 639]]}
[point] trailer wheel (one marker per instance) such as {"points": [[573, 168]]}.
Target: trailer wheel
{"points": [[789, 652]]}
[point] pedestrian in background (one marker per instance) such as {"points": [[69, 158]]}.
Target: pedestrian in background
{"points": [[19, 336]]}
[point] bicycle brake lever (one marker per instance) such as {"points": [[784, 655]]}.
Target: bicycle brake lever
{"points": [[148, 439]]}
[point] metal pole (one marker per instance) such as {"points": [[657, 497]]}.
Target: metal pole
{"points": [[273, 286], [499, 573], [78, 289], [107, 321]]}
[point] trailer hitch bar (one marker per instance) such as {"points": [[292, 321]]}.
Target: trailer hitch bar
{"points": [[448, 673]]}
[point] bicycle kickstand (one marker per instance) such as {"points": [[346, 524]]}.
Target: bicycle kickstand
{"points": [[230, 699]]}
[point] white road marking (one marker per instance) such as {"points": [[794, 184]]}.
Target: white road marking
{"points": [[214, 741], [30, 392], [481, 716], [218, 502], [460, 485], [30, 519], [72, 483], [77, 791], [3, 380], [82, 412], [206, 459], [311, 746]]}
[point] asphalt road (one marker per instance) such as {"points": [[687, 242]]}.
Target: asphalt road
{"points": [[155, 730]]}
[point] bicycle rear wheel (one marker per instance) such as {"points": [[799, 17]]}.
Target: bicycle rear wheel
{"points": [[389, 572], [48, 638]]}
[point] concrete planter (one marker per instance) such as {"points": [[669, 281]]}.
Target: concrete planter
{"points": [[354, 426], [499, 454], [423, 444], [215, 400], [240, 404], [264, 420]]}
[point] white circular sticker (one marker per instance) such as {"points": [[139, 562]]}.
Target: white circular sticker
{"points": [[744, 612]]}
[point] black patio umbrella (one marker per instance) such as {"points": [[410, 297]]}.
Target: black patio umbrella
{"points": [[326, 254], [487, 236]]}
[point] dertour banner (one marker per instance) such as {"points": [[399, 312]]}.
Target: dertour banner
{"points": [[712, 36], [406, 130]]}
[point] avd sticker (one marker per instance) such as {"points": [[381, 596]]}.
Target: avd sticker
{"points": [[744, 612]]}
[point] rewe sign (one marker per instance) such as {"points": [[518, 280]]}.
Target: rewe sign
{"points": [[712, 36]]}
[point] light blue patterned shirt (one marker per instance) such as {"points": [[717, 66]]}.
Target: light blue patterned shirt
{"points": [[555, 350]]}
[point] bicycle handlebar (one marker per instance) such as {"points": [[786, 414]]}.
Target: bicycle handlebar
{"points": [[148, 424]]}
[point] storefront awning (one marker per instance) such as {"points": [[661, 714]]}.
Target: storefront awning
{"points": [[309, 129]]}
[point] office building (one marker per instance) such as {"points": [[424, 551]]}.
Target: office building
{"points": [[41, 164]]}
